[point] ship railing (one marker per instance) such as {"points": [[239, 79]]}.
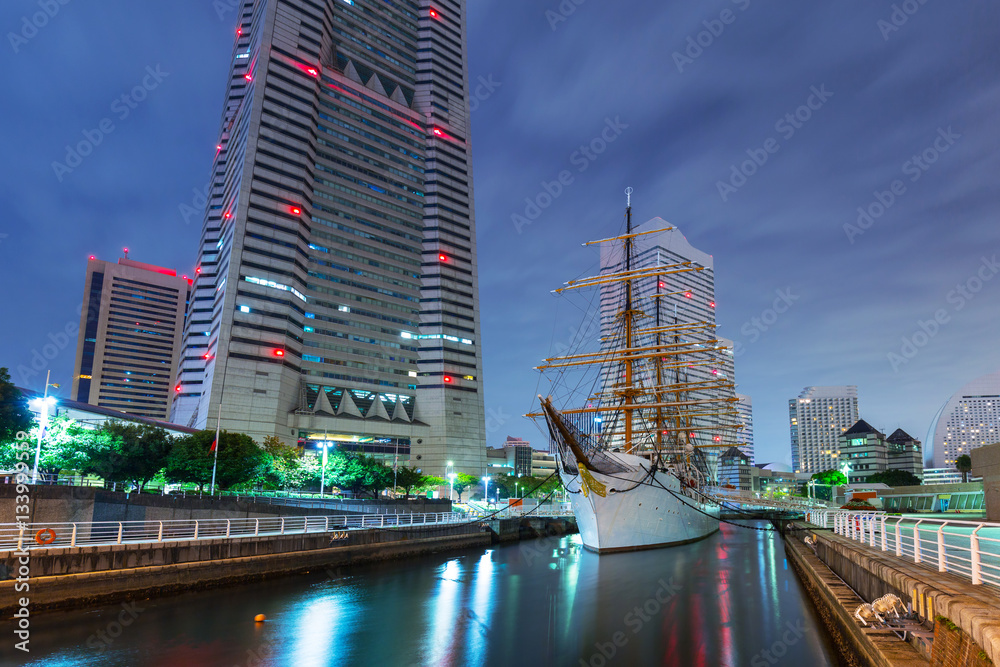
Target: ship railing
{"points": [[65, 535], [968, 549]]}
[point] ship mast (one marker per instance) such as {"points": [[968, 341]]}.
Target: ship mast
{"points": [[629, 391]]}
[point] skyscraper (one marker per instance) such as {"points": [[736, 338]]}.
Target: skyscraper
{"points": [[679, 296], [337, 298], [745, 408], [970, 419], [817, 418], [130, 337]]}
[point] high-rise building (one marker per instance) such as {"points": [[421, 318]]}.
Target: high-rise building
{"points": [[867, 451], [970, 419], [337, 299], [686, 296], [745, 409], [817, 418], [130, 337]]}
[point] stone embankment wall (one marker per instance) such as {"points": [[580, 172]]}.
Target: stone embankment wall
{"points": [[939, 598]]}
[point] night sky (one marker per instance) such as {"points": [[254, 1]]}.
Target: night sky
{"points": [[688, 91]]}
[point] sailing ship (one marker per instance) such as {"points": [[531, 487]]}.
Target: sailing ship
{"points": [[644, 478]]}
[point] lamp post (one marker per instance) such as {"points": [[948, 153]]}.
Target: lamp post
{"points": [[451, 482], [42, 405], [486, 489], [322, 474], [516, 492]]}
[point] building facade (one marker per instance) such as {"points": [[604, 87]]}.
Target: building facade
{"points": [[129, 344], [867, 451], [517, 457], [970, 419], [817, 419], [337, 298], [745, 409]]}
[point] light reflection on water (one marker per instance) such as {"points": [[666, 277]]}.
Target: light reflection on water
{"points": [[721, 601]]}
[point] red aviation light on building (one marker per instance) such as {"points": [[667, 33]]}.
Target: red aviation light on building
{"points": [[448, 379], [207, 355], [177, 388], [295, 210], [312, 71], [227, 215], [239, 31], [279, 353], [662, 285], [442, 257], [248, 76], [711, 304], [691, 435], [434, 14], [197, 271], [688, 295], [92, 257], [218, 148], [717, 438]]}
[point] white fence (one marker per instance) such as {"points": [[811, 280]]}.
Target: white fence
{"points": [[67, 535], [969, 549]]}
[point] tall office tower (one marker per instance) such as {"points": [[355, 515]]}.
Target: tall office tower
{"points": [[683, 297], [337, 299], [970, 419], [130, 337], [745, 408], [817, 418]]}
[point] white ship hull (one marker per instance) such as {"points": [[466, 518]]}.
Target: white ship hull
{"points": [[637, 512]]}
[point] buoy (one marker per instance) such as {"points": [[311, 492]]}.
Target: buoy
{"points": [[260, 618]]}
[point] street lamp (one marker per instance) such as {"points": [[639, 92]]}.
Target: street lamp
{"points": [[42, 405], [322, 474], [486, 489], [451, 481]]}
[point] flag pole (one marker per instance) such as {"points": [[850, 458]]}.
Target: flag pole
{"points": [[218, 424]]}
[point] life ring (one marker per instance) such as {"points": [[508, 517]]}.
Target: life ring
{"points": [[50, 540]]}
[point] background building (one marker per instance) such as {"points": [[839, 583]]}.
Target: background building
{"points": [[735, 469], [517, 457], [868, 452], [130, 336], [946, 476], [745, 409], [817, 418], [337, 297], [968, 420]]}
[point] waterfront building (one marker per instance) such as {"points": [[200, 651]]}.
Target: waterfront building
{"points": [[868, 451], [735, 469], [745, 409], [128, 348], [817, 419], [969, 419], [946, 476], [687, 296], [337, 294], [517, 457]]}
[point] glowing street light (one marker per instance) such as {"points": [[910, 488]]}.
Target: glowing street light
{"points": [[486, 489], [322, 476], [451, 481], [42, 405]]}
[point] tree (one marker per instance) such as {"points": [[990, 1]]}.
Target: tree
{"points": [[239, 458], [463, 481], [408, 478], [283, 467], [894, 477], [826, 480], [190, 461], [142, 450], [359, 473], [964, 465], [15, 417]]}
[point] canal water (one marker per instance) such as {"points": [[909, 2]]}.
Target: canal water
{"points": [[729, 600]]}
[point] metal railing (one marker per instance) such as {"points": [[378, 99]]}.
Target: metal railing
{"points": [[969, 549], [68, 535], [751, 499]]}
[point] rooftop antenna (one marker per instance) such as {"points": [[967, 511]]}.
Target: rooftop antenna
{"points": [[125, 250]]}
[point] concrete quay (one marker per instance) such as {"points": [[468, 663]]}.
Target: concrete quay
{"points": [[843, 574]]}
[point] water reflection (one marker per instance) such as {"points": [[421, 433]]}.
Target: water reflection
{"points": [[722, 601]]}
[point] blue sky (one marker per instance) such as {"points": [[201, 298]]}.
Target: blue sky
{"points": [[892, 112]]}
